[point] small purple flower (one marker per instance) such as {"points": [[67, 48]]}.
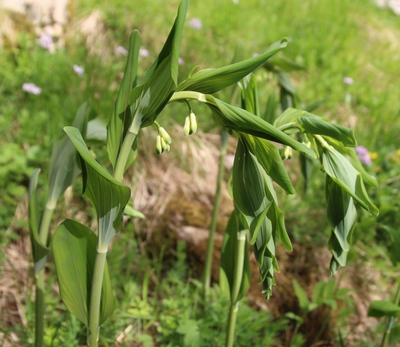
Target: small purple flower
{"points": [[121, 50], [31, 88], [181, 61], [195, 23], [363, 155], [46, 41], [143, 52], [79, 70], [255, 54], [348, 81]]}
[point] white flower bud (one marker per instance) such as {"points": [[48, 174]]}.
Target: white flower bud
{"points": [[186, 127], [193, 123], [159, 148], [163, 133]]}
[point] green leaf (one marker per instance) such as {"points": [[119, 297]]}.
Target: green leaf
{"points": [[264, 252], [383, 308], [275, 215], [342, 216], [306, 165], [339, 168], [316, 126], [64, 162], [108, 196], [191, 332], [301, 296], [227, 263], [248, 87], [240, 120], [324, 291], [268, 156], [121, 117], [280, 62], [351, 155], [39, 250], [96, 131], [294, 316], [210, 81], [149, 98], [131, 212], [248, 187], [74, 250]]}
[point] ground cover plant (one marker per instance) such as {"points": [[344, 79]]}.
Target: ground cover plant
{"points": [[179, 331]]}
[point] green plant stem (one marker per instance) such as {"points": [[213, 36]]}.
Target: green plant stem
{"points": [[39, 279], [95, 298], [390, 320], [237, 282], [230, 334], [123, 155], [39, 308], [214, 218]]}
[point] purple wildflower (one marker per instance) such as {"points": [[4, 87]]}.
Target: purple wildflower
{"points": [[143, 52], [46, 41], [31, 88], [79, 70], [121, 50], [181, 61], [363, 155], [195, 23], [348, 81]]}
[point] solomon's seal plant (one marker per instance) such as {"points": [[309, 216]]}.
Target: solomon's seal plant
{"points": [[80, 253]]}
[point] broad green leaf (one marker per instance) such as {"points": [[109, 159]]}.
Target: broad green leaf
{"points": [[248, 87], [351, 155], [96, 131], [149, 98], [301, 296], [339, 168], [74, 250], [342, 216], [108, 196], [248, 188], [280, 62], [240, 120], [210, 81], [39, 250], [64, 162], [189, 328], [121, 113], [294, 316], [287, 91], [290, 115], [383, 308], [316, 126], [227, 266], [264, 252], [286, 85], [131, 212], [268, 156], [323, 291], [270, 108]]}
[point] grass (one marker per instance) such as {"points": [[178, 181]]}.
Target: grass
{"points": [[332, 40]]}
